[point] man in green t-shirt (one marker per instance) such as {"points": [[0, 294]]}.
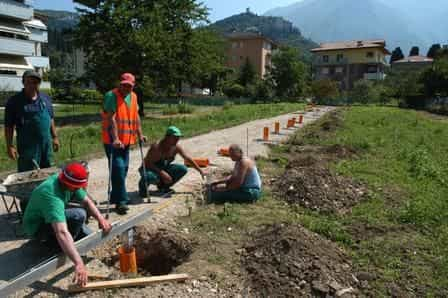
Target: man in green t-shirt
{"points": [[47, 219]]}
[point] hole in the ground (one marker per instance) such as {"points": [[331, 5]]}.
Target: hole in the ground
{"points": [[159, 251]]}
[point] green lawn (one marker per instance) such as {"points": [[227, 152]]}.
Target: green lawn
{"points": [[86, 139], [403, 162]]}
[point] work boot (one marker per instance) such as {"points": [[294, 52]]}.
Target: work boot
{"points": [[122, 209]]}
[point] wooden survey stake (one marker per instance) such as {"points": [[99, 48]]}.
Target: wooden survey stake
{"points": [[134, 282]]}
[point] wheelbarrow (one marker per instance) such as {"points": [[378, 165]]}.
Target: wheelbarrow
{"points": [[21, 185]]}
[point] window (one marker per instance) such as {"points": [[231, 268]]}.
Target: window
{"points": [[369, 55], [372, 69], [241, 45], [234, 58], [266, 45], [339, 69], [325, 58], [325, 70], [339, 57], [234, 45]]}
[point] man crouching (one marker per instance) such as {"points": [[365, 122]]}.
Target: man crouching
{"points": [[47, 219]]}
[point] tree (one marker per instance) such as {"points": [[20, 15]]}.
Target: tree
{"points": [[288, 72], [435, 79], [415, 51], [433, 50], [325, 89], [208, 59], [152, 38], [397, 54], [247, 74]]}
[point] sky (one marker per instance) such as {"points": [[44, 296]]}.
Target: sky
{"points": [[219, 9]]}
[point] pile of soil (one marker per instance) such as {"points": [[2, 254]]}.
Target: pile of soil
{"points": [[309, 182], [290, 261]]}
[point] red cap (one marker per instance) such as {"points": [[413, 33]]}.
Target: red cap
{"points": [[74, 175], [127, 78]]}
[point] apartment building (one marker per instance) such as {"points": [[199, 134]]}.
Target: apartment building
{"points": [[22, 37], [349, 61], [253, 46]]}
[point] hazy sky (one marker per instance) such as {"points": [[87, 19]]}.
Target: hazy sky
{"points": [[219, 9]]}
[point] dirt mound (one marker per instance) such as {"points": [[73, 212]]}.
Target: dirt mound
{"points": [[160, 251], [290, 261], [310, 183]]}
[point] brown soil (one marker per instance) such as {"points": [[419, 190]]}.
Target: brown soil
{"points": [[309, 182], [290, 261], [308, 179], [158, 251]]}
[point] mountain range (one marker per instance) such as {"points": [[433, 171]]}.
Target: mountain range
{"points": [[403, 23], [278, 29]]}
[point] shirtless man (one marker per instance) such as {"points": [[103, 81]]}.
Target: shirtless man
{"points": [[160, 169], [243, 186]]}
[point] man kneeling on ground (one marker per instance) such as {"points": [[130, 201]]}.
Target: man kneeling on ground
{"points": [[47, 219], [160, 169], [243, 186]]}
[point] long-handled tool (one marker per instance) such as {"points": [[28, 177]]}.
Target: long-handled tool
{"points": [[140, 144], [109, 186]]}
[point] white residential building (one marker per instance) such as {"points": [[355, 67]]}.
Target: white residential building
{"points": [[21, 39]]}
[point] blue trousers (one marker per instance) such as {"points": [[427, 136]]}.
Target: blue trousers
{"points": [[243, 195], [120, 166], [75, 219]]}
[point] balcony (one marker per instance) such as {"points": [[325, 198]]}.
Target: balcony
{"points": [[15, 10], [10, 82], [38, 61], [318, 61], [17, 47], [39, 36], [374, 76]]}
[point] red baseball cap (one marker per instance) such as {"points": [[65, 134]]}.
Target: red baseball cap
{"points": [[127, 78], [74, 175]]}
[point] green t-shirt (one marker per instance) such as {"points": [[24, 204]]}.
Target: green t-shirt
{"points": [[110, 101], [47, 204]]}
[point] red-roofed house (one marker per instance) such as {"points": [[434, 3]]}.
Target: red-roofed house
{"points": [[412, 63]]}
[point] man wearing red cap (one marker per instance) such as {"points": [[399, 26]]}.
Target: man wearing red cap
{"points": [[47, 219], [121, 129]]}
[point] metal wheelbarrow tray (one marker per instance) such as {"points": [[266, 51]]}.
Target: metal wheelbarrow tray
{"points": [[22, 184]]}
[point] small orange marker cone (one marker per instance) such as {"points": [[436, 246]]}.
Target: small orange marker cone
{"points": [[300, 119], [266, 134], [277, 127]]}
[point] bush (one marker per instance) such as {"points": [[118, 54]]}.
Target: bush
{"points": [[234, 90], [364, 92], [263, 91], [325, 90]]}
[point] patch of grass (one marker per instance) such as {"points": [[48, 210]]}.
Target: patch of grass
{"points": [[402, 150], [86, 139]]}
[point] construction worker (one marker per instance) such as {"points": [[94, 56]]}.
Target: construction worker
{"points": [[30, 113], [243, 186], [121, 129], [47, 219], [160, 169]]}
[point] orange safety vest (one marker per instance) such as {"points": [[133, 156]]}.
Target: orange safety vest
{"points": [[126, 118]]}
